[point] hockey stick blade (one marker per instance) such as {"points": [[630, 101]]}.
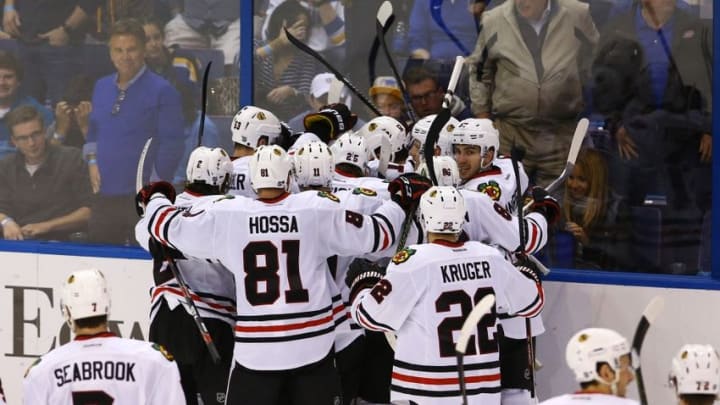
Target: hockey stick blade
{"points": [[575, 145], [383, 44], [454, 77], [469, 326], [335, 91], [384, 158], [651, 312], [203, 107], [372, 56], [385, 11], [141, 165], [301, 46]]}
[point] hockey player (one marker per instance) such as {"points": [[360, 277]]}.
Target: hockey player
{"points": [[419, 135], [398, 161], [98, 367], [211, 285], [425, 296], [251, 127], [602, 363], [476, 143], [695, 375], [350, 154], [277, 246]]}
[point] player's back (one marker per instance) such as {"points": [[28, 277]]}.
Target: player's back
{"points": [[240, 178], [102, 368], [592, 398]]}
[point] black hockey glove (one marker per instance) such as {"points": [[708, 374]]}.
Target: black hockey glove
{"points": [[407, 189], [545, 204], [143, 196], [362, 274], [330, 122], [160, 254]]}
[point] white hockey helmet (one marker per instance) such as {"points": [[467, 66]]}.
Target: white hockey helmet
{"points": [[313, 165], [477, 132], [420, 130], [446, 171], [350, 148], [270, 167], [442, 210], [445, 140], [389, 127], [591, 346], [208, 165], [84, 294], [251, 125], [696, 370]]}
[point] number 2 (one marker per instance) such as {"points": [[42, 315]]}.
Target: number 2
{"points": [[485, 344]]}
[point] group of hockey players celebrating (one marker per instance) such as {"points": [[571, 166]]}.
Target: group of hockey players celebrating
{"points": [[327, 268]]}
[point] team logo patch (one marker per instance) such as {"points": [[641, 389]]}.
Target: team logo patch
{"points": [[163, 351], [329, 196], [364, 191], [490, 188], [28, 369], [403, 255]]}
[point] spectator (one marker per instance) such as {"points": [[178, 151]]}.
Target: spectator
{"points": [[109, 12], [426, 94], [427, 40], [326, 26], [11, 76], [72, 112], [161, 61], [44, 188], [284, 73], [531, 84], [129, 107], [594, 216], [206, 24], [50, 34], [661, 121], [385, 94]]}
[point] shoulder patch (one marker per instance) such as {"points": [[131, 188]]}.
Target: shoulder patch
{"points": [[403, 255], [364, 191], [329, 196], [491, 188], [31, 366], [163, 351]]}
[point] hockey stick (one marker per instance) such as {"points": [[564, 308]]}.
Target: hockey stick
{"points": [[575, 144], [651, 312], [206, 337], [335, 91], [516, 155], [469, 326], [301, 46], [441, 119], [387, 21], [203, 107], [436, 13], [386, 8]]}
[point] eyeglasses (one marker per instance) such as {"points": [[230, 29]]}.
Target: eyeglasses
{"points": [[120, 98], [26, 138], [422, 98]]}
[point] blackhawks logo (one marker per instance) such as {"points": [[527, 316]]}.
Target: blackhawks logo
{"points": [[163, 351], [403, 255], [490, 188], [364, 191], [329, 196]]}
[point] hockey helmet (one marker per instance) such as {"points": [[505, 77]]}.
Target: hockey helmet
{"points": [[420, 130], [442, 210], [251, 125], [389, 127], [351, 148], [446, 171], [84, 294], [591, 346], [270, 167], [210, 166], [696, 370], [477, 132], [313, 164]]}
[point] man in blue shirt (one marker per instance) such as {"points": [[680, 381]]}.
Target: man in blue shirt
{"points": [[129, 107]]}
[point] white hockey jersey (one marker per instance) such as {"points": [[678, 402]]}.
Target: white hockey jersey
{"points": [[103, 369], [277, 250], [499, 182], [240, 178], [425, 296], [342, 181], [588, 398], [393, 169], [211, 285]]}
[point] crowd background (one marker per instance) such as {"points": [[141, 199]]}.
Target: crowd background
{"points": [[639, 198]]}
